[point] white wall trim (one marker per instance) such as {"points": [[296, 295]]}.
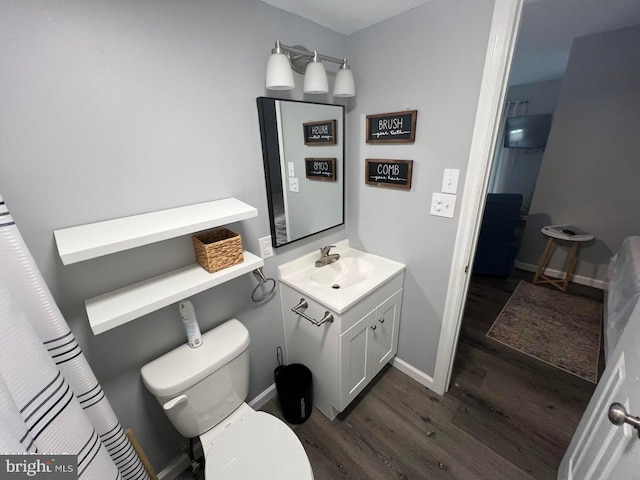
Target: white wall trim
{"points": [[418, 375], [581, 279], [264, 397], [501, 44]]}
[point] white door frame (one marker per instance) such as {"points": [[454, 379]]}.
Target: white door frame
{"points": [[502, 40]]}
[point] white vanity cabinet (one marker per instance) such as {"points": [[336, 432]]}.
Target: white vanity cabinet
{"points": [[367, 347], [346, 354]]}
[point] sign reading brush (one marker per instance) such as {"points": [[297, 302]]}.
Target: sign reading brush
{"points": [[397, 127], [320, 133]]}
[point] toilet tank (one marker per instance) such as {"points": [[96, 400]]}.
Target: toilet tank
{"points": [[199, 387]]}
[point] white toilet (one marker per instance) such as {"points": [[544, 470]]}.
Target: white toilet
{"points": [[202, 391]]}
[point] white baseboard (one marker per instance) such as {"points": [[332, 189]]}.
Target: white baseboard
{"points": [[418, 375], [264, 397], [582, 280]]}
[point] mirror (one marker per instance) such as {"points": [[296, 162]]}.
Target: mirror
{"points": [[303, 154]]}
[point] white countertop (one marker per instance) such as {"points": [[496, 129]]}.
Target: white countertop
{"points": [[297, 274]]}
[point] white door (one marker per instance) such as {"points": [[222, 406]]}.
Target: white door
{"points": [[599, 449]]}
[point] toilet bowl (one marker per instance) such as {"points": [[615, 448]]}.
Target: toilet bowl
{"points": [[255, 446], [202, 391]]}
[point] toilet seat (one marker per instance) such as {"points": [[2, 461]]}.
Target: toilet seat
{"points": [[258, 447]]}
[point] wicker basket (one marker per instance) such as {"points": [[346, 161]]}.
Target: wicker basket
{"points": [[218, 249]]}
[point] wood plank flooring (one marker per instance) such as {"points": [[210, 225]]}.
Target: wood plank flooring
{"points": [[506, 415]]}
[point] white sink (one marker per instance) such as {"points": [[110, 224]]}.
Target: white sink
{"points": [[342, 283], [344, 273]]}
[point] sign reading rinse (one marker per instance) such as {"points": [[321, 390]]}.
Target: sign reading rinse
{"points": [[389, 173], [320, 133], [397, 127], [320, 169]]}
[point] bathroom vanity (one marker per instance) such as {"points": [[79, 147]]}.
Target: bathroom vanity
{"points": [[357, 300]]}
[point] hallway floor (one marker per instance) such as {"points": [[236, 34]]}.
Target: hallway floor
{"points": [[506, 415]]}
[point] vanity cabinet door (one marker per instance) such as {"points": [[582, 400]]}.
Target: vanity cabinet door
{"points": [[385, 335], [356, 361]]}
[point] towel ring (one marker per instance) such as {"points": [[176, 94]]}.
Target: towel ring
{"points": [[259, 272]]}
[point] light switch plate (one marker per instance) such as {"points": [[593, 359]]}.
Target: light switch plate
{"points": [[450, 180], [291, 169], [443, 205], [293, 184]]}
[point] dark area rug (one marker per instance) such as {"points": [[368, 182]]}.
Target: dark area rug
{"points": [[556, 328]]}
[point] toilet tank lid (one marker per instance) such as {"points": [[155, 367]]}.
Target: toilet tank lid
{"points": [[176, 371]]}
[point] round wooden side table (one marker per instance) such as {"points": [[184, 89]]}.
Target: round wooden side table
{"points": [[568, 233]]}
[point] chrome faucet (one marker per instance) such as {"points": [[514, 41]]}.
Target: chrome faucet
{"points": [[326, 258]]}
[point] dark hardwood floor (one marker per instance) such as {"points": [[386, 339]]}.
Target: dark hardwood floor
{"points": [[506, 415]]}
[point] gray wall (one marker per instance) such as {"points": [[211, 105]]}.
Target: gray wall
{"points": [[542, 96], [118, 108], [590, 172], [430, 59]]}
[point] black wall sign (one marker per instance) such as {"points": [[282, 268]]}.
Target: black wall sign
{"points": [[397, 127], [388, 173], [320, 133], [320, 169]]}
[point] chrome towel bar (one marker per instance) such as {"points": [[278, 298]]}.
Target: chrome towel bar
{"points": [[328, 316]]}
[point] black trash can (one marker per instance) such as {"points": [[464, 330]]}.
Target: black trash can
{"points": [[295, 391]]}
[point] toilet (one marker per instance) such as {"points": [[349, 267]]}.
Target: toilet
{"points": [[203, 390]]}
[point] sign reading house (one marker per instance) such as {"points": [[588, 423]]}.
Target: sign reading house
{"points": [[388, 173], [320, 169], [397, 127], [320, 133]]}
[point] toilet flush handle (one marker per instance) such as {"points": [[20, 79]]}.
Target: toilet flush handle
{"points": [[175, 401]]}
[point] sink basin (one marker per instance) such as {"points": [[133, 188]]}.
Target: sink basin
{"points": [[344, 273], [342, 283]]}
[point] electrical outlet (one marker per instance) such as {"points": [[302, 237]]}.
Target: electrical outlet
{"points": [[450, 180], [443, 205], [293, 185], [266, 249]]}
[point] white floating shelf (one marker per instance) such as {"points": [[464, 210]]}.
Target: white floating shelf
{"points": [[93, 240], [120, 306]]}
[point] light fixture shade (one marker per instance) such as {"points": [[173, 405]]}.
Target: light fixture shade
{"points": [[279, 73], [344, 86], [315, 78]]}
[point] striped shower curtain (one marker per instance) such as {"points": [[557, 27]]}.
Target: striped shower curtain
{"points": [[50, 400]]}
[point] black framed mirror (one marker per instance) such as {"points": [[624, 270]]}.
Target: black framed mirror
{"points": [[303, 154]]}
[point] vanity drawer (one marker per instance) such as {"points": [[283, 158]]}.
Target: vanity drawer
{"points": [[370, 302]]}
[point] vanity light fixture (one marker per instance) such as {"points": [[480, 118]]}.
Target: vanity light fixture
{"points": [[345, 85], [279, 74], [284, 59], [315, 77]]}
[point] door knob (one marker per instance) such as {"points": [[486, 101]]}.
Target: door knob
{"points": [[618, 415], [373, 327], [381, 320]]}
